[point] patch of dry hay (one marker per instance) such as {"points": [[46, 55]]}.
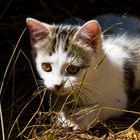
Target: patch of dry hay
{"points": [[61, 134]]}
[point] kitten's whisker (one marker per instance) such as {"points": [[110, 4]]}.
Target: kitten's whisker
{"points": [[89, 86], [85, 83], [84, 93]]}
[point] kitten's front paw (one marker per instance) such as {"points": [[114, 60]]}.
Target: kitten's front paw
{"points": [[66, 123]]}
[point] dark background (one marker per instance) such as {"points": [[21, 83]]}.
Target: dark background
{"points": [[13, 14], [18, 83]]}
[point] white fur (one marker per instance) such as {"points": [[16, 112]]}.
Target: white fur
{"points": [[107, 83], [59, 62]]}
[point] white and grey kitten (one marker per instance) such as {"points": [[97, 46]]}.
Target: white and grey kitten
{"points": [[77, 62]]}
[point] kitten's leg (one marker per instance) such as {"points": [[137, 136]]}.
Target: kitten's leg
{"points": [[86, 117], [82, 118], [61, 115], [66, 121]]}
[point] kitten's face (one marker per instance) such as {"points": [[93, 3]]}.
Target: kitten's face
{"points": [[63, 53], [59, 70]]}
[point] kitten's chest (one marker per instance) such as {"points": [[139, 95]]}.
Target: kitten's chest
{"points": [[102, 85]]}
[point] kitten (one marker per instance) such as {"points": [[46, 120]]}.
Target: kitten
{"points": [[98, 74]]}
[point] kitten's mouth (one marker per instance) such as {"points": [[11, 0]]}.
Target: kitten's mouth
{"points": [[67, 91], [62, 91]]}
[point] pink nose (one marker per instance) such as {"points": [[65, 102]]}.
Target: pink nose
{"points": [[57, 87]]}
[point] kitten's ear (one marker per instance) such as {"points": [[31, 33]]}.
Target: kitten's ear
{"points": [[37, 29], [90, 34]]}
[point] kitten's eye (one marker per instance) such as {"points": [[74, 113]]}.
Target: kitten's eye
{"points": [[71, 69], [46, 67]]}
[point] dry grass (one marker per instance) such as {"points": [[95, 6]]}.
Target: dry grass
{"points": [[129, 134], [51, 132], [42, 131]]}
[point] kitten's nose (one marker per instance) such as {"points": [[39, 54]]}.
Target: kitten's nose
{"points": [[57, 87]]}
